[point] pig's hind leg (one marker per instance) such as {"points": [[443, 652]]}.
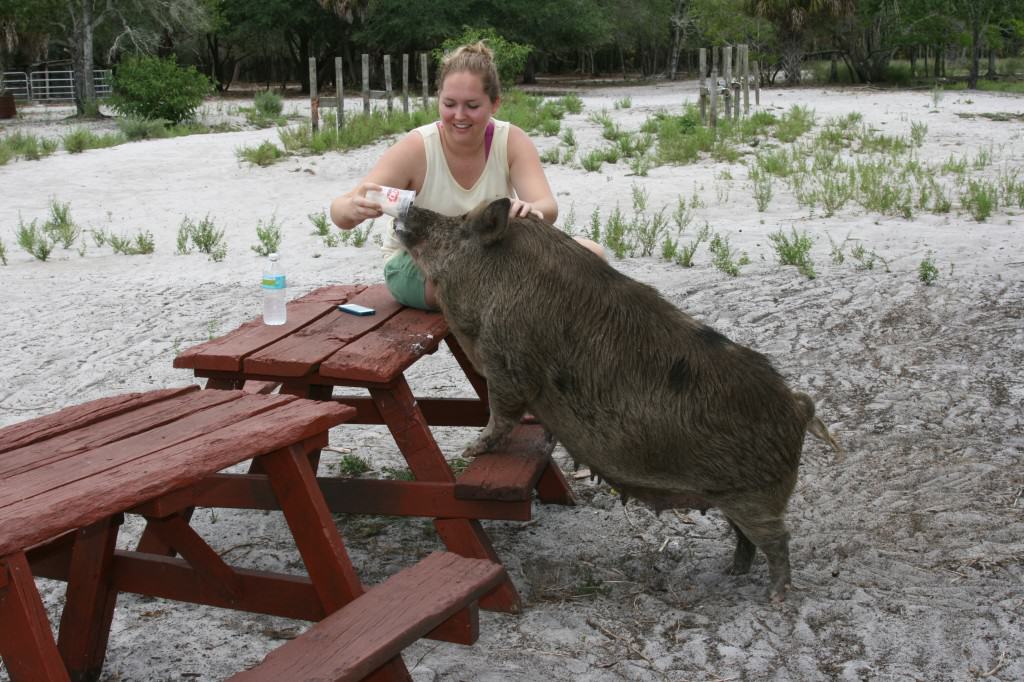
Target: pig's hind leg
{"points": [[759, 526]]}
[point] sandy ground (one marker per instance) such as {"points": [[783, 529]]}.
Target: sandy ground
{"points": [[908, 553]]}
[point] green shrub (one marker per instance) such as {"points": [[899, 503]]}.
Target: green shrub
{"points": [[27, 146], [722, 255], [263, 155], [592, 161], [980, 199], [150, 87], [685, 254], [794, 123], [321, 224], [3, 252], [204, 235], [352, 465], [269, 104], [762, 182], [509, 57]]}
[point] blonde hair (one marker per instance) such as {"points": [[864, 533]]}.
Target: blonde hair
{"points": [[475, 58]]}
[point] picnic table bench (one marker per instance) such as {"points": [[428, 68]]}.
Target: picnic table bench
{"points": [[320, 348], [68, 478]]}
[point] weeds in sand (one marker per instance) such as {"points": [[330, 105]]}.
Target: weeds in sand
{"points": [[204, 236], [686, 252], [592, 160], [983, 159], [80, 139], [835, 189], [682, 216], [624, 103], [872, 142], [1011, 189], [398, 474], [614, 233], [794, 123], [266, 110], [866, 260], [269, 235], [27, 146], [641, 165], [595, 225], [572, 104], [937, 94], [648, 230], [60, 228], [321, 224], [141, 243], [723, 257], [917, 133], [568, 137], [359, 235], [353, 465], [550, 127], [836, 250], [138, 128], [794, 249], [762, 188], [927, 273], [263, 155], [569, 220], [3, 252], [33, 239], [980, 199], [100, 237], [954, 166], [552, 155]]}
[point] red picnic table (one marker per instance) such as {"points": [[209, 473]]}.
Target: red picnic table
{"points": [[320, 348], [67, 479]]}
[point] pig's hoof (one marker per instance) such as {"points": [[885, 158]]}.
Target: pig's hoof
{"points": [[777, 594], [738, 568], [477, 447]]}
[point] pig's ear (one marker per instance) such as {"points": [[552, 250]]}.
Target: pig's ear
{"points": [[491, 221]]}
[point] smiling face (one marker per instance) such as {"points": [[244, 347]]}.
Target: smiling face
{"points": [[465, 107]]}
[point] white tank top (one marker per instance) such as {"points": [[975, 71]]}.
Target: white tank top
{"points": [[443, 194]]}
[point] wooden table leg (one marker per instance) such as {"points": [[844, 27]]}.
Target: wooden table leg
{"points": [[318, 540], [27, 646], [89, 603], [463, 536], [312, 392]]}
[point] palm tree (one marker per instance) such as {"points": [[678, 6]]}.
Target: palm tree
{"points": [[792, 18]]}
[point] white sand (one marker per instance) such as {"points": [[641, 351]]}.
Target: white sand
{"points": [[908, 555]]}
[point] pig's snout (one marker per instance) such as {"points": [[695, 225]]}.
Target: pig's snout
{"points": [[405, 236]]}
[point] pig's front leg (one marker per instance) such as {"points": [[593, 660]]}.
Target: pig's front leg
{"points": [[506, 412]]}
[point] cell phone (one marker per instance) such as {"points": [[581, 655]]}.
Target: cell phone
{"points": [[356, 309]]}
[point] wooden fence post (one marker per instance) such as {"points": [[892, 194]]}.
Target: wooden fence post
{"points": [[387, 80], [366, 83], [727, 76], [757, 82], [314, 101], [703, 86], [405, 83], [426, 80], [713, 89], [745, 65], [339, 86]]}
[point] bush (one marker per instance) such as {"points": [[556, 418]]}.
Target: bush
{"points": [[138, 128], [80, 139], [150, 87], [509, 57]]}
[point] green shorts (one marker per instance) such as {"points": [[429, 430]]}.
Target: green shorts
{"points": [[405, 281]]}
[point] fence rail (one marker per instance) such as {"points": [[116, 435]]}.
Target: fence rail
{"points": [[52, 86]]}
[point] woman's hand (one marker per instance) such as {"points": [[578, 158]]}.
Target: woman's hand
{"points": [[522, 209], [352, 208]]}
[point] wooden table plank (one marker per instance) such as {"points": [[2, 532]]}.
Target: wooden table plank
{"points": [[301, 352], [227, 352], [398, 343], [105, 485], [75, 417], [115, 428], [332, 293]]}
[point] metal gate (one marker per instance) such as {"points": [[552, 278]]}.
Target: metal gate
{"points": [[52, 86]]}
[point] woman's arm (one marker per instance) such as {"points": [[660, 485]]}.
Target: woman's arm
{"points": [[528, 179], [403, 165]]}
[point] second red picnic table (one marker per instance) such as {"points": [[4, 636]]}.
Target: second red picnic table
{"points": [[321, 347]]}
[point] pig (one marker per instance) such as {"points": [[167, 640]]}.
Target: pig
{"points": [[663, 407]]}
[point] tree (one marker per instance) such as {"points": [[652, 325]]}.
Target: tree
{"points": [[74, 25], [794, 18], [978, 14]]}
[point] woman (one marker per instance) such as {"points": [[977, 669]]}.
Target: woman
{"points": [[454, 164]]}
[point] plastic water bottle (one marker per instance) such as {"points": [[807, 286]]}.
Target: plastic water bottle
{"points": [[274, 292]]}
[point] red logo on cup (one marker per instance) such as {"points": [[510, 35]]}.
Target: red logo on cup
{"points": [[392, 195]]}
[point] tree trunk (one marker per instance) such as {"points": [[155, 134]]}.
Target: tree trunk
{"points": [[82, 25], [972, 78], [530, 71], [991, 64]]}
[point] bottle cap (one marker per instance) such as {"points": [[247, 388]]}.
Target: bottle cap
{"points": [[274, 256]]}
